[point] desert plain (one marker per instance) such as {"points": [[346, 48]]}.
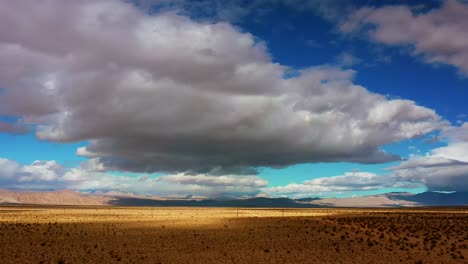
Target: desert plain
{"points": [[100, 234]]}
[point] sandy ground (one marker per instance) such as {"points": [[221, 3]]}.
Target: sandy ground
{"points": [[217, 235]]}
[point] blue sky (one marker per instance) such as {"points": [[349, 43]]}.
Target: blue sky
{"points": [[85, 107]]}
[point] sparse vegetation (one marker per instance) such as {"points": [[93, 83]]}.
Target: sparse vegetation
{"points": [[204, 235]]}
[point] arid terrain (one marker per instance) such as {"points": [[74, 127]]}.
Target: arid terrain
{"points": [[230, 235]]}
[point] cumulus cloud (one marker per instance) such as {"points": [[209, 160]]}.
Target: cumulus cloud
{"points": [[347, 59], [444, 168], [458, 134], [8, 168], [438, 35], [13, 175], [437, 174], [349, 182], [47, 175], [163, 92]]}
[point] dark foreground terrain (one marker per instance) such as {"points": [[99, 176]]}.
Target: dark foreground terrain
{"points": [[230, 235]]}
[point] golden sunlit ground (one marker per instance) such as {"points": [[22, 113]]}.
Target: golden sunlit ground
{"points": [[230, 235]]}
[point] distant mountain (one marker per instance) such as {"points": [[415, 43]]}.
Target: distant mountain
{"points": [[309, 199], [398, 199], [67, 197], [252, 202], [435, 198], [382, 200], [64, 197]]}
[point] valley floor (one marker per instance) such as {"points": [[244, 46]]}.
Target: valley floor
{"points": [[231, 235]]}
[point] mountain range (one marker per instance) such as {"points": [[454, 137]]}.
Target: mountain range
{"points": [[68, 197]]}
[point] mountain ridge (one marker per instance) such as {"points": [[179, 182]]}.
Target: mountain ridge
{"points": [[69, 197]]}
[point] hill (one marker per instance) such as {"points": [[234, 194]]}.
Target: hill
{"points": [[67, 197]]}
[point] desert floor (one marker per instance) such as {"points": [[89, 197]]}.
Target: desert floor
{"points": [[230, 235]]}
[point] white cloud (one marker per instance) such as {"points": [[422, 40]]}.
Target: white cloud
{"points": [[347, 59], [459, 133], [40, 171], [444, 168], [442, 176], [349, 182], [37, 175], [48, 175], [8, 168], [163, 92], [439, 35]]}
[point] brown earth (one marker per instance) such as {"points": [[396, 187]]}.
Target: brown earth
{"points": [[226, 235]]}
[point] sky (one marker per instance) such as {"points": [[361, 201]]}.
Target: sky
{"points": [[210, 98]]}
